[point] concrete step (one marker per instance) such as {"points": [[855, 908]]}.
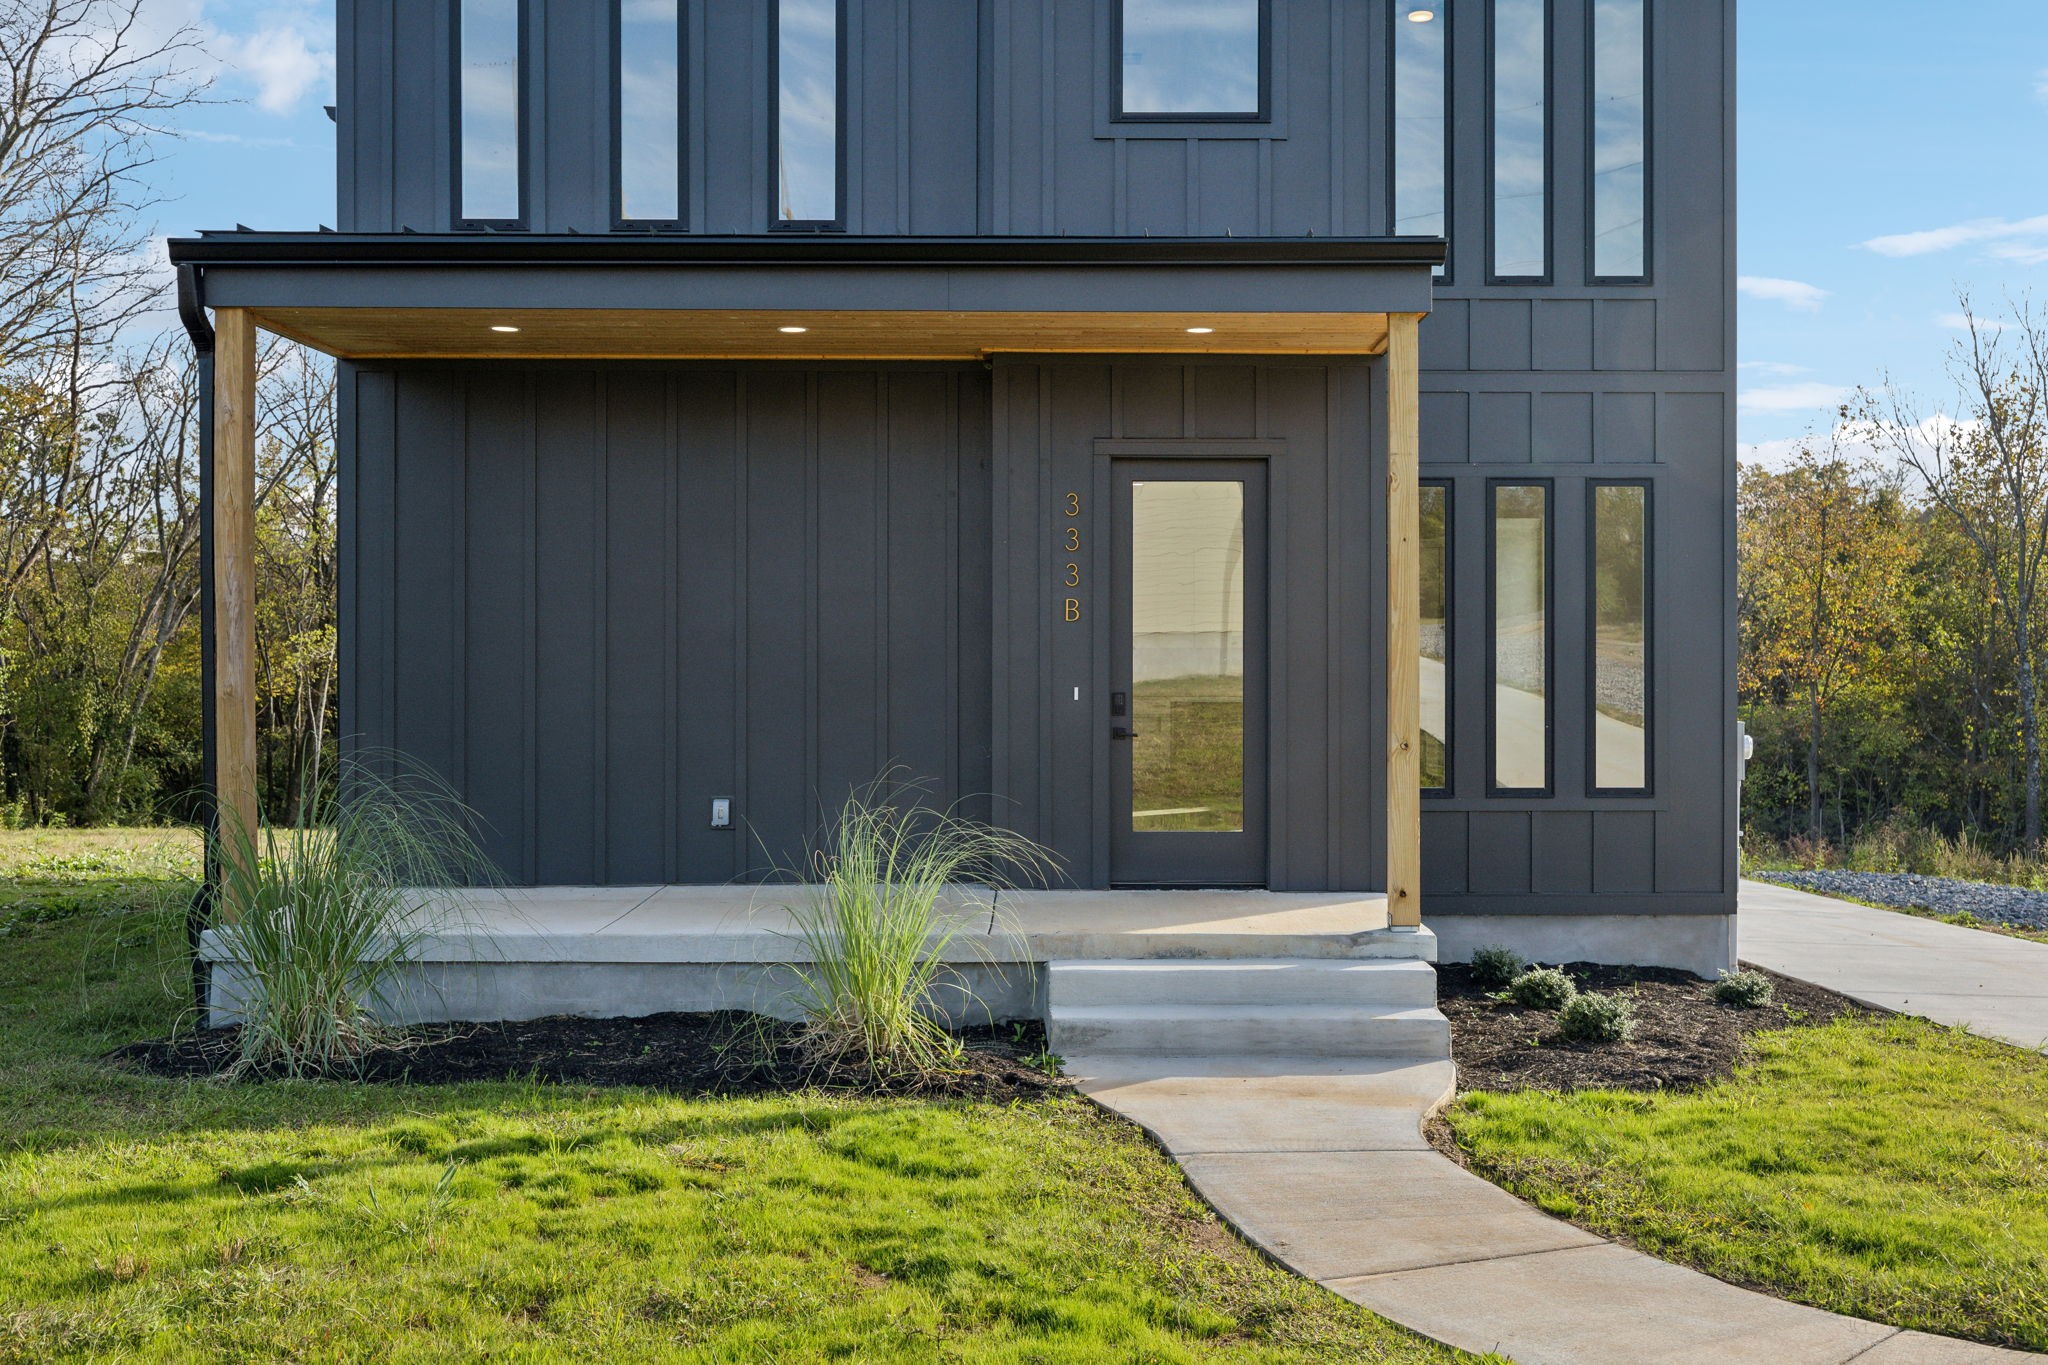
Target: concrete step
{"points": [[1180, 1030], [1250, 981]]}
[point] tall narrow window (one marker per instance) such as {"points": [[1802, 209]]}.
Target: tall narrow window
{"points": [[1421, 35], [807, 113], [1620, 593], [1182, 60], [1521, 52], [1519, 547], [1620, 126], [648, 100], [1436, 636], [488, 113]]}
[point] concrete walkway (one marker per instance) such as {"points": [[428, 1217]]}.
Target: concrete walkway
{"points": [[1324, 1165], [1993, 984]]}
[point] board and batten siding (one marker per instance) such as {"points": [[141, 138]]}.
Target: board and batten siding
{"points": [[595, 598]]}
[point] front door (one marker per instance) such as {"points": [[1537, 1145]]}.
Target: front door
{"points": [[1187, 696]]}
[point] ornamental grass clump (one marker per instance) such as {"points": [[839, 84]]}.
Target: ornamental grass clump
{"points": [[1495, 967], [1542, 988], [1744, 989], [317, 923], [880, 923], [1595, 1018]]}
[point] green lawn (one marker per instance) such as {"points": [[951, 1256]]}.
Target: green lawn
{"points": [[153, 1220], [1889, 1169]]}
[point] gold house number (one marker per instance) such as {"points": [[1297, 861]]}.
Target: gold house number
{"points": [[1071, 608]]}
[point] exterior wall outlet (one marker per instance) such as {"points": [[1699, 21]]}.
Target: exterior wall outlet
{"points": [[721, 812]]}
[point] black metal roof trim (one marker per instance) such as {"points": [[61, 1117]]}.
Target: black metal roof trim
{"points": [[500, 249]]}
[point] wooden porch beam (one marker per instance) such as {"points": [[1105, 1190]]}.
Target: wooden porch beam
{"points": [[1404, 622], [234, 581]]}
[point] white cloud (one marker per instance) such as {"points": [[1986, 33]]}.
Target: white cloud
{"points": [[1791, 397], [2012, 233], [1960, 322], [1773, 367], [2041, 85], [280, 62], [1792, 293], [1854, 441]]}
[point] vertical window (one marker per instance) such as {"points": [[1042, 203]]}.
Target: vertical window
{"points": [[1619, 124], [488, 112], [1521, 51], [1518, 545], [1620, 592], [1202, 59], [1436, 636], [647, 94], [807, 113], [1421, 36]]}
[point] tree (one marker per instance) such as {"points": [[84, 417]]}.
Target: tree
{"points": [[1822, 550], [1986, 470], [85, 89]]}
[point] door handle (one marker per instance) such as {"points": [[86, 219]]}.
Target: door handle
{"points": [[1121, 732]]}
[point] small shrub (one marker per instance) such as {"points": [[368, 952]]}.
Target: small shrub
{"points": [[1494, 967], [1595, 1018], [1542, 988], [1744, 989]]}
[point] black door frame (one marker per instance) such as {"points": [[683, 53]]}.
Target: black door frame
{"points": [[1177, 857]]}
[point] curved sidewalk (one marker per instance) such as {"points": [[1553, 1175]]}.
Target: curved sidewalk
{"points": [[1992, 984], [1323, 1164]]}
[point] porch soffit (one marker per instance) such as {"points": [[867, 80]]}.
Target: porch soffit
{"points": [[854, 298]]}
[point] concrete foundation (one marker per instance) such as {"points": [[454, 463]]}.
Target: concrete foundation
{"points": [[1701, 944]]}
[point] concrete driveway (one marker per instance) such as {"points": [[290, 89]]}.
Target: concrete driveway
{"points": [[1992, 984]]}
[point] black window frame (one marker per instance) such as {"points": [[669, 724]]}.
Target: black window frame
{"points": [[776, 223], [1593, 787], [1549, 787], [524, 103], [1264, 113], [620, 222], [1549, 274], [1647, 276], [1450, 783], [1396, 16]]}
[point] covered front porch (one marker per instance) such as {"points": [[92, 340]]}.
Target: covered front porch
{"points": [[395, 303]]}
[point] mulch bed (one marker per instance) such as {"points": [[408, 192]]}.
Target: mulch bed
{"points": [[1683, 1037], [724, 1053]]}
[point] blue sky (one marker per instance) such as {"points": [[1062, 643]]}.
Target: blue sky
{"points": [[1891, 153]]}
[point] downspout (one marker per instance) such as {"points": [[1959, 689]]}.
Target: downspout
{"points": [[192, 312]]}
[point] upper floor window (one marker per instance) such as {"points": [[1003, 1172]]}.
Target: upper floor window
{"points": [[489, 112], [647, 110], [1421, 109], [807, 137], [1192, 59], [1620, 126], [1521, 144]]}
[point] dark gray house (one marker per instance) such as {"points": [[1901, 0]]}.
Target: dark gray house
{"points": [[1281, 446]]}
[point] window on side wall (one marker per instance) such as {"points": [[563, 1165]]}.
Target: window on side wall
{"points": [[1435, 542], [490, 113], [809, 113], [1618, 701], [1620, 131], [1421, 101], [1518, 704], [1202, 60], [647, 113], [1519, 53]]}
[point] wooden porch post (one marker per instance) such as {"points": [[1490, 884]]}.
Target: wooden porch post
{"points": [[234, 581], [1404, 625]]}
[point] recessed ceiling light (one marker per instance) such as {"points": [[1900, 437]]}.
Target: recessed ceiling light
{"points": [[502, 327], [1420, 16], [792, 330], [1201, 331]]}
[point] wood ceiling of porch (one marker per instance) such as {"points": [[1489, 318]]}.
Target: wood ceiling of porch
{"points": [[675, 334]]}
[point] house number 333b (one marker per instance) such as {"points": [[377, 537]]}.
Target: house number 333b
{"points": [[1070, 544]]}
